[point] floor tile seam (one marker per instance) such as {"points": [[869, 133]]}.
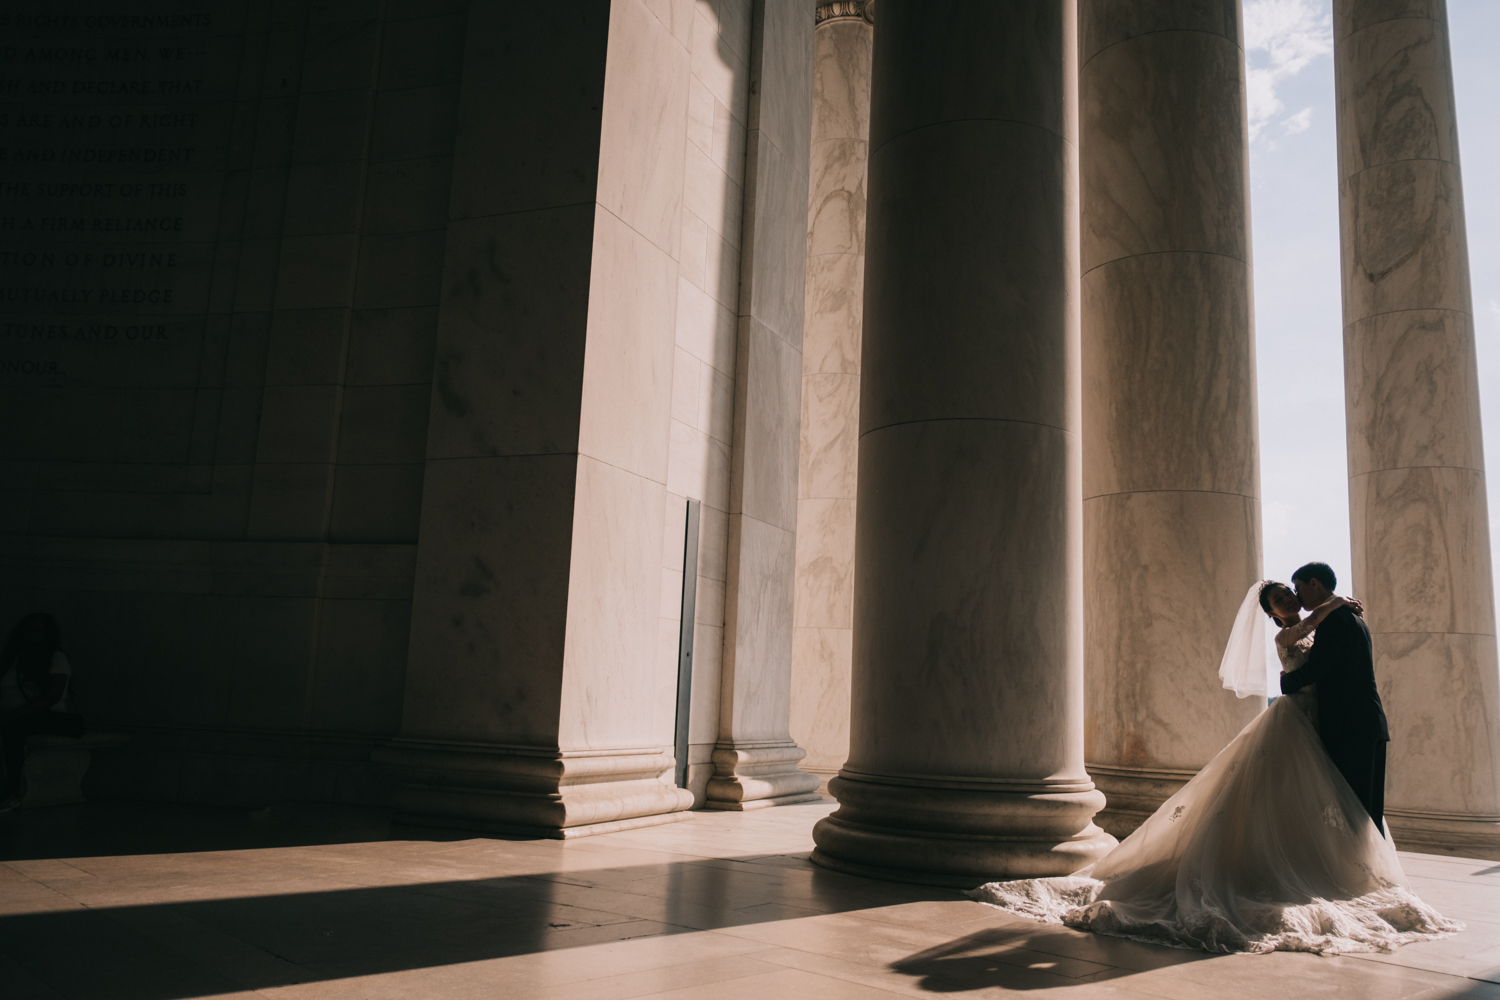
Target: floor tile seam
{"points": [[1380, 970], [1476, 869], [713, 901], [766, 871], [55, 892], [236, 898], [725, 902], [712, 917], [874, 970], [809, 869], [958, 985], [171, 944], [1449, 981], [656, 970], [1458, 880], [552, 907], [582, 871], [814, 950], [869, 915], [1449, 860], [827, 975], [1391, 960]]}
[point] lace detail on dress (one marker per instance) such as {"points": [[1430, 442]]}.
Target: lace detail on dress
{"points": [[1295, 655]]}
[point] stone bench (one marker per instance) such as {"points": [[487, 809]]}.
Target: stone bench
{"points": [[55, 766]]}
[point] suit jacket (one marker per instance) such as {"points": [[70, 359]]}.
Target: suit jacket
{"points": [[1341, 664]]}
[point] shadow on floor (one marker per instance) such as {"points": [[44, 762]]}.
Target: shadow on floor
{"points": [[315, 894], [998, 958], [199, 948], [328, 895], [103, 827]]}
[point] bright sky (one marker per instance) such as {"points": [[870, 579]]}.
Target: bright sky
{"points": [[1294, 201]]}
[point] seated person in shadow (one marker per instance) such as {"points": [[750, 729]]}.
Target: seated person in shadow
{"points": [[34, 676]]}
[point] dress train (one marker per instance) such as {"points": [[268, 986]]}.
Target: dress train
{"points": [[1267, 848]]}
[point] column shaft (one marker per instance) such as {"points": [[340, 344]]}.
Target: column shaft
{"points": [[1416, 465], [1171, 511], [823, 606], [966, 735]]}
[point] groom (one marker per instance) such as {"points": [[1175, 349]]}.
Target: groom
{"points": [[1351, 720]]}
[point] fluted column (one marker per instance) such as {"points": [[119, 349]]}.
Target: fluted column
{"points": [[1416, 466], [1171, 510], [966, 735], [823, 605]]}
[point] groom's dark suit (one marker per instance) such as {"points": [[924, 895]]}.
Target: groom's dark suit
{"points": [[1351, 720]]}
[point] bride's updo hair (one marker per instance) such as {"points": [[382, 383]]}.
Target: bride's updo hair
{"points": [[1268, 590]]}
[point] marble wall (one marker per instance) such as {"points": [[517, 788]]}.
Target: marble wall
{"points": [[1418, 513], [823, 605]]}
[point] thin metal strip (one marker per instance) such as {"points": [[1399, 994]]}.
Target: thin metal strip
{"points": [[685, 641]]}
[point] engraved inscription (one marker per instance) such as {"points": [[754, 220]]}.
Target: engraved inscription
{"points": [[114, 142]]}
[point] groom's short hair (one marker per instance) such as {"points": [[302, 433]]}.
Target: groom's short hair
{"points": [[1320, 571]]}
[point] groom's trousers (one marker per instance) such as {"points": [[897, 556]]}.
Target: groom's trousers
{"points": [[1363, 766]]}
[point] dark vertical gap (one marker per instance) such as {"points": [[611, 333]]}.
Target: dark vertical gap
{"points": [[685, 641]]}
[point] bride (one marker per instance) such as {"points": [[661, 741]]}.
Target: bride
{"points": [[1267, 848]]}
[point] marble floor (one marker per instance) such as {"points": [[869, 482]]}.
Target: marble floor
{"points": [[132, 902]]}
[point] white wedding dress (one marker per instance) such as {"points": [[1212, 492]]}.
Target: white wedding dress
{"points": [[1267, 848]]}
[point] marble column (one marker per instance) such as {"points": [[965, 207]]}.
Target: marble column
{"points": [[966, 727], [530, 696], [1418, 515], [823, 603], [755, 758], [1171, 509]]}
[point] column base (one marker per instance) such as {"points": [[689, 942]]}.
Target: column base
{"points": [[532, 792], [955, 832], [1132, 794], [1445, 833], [759, 776]]}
